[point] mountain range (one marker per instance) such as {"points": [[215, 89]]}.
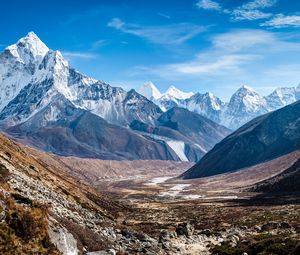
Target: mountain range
{"points": [[266, 137], [46, 103], [244, 105]]}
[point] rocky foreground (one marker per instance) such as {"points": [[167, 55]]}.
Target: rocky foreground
{"points": [[44, 210]]}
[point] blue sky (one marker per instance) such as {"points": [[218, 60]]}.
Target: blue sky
{"points": [[196, 45]]}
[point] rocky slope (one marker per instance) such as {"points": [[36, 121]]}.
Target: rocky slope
{"points": [[65, 130], [264, 138], [72, 215], [44, 210], [287, 181], [190, 135], [204, 132]]}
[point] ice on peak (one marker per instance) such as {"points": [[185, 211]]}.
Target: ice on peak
{"points": [[31, 43], [246, 88], [178, 94], [149, 90], [209, 95]]}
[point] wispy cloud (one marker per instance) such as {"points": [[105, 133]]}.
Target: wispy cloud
{"points": [[210, 64], [251, 10], [166, 16], [228, 55], [209, 5], [78, 55], [241, 14], [168, 34], [238, 40], [258, 4], [281, 20], [98, 44]]}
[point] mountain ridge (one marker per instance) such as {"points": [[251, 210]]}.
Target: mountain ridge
{"points": [[244, 105], [47, 107], [264, 138]]}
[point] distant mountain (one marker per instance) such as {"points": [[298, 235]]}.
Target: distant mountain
{"points": [[281, 97], [287, 181], [171, 98], [244, 105], [46, 103], [207, 105], [31, 75], [204, 132], [190, 135], [63, 129], [149, 91], [264, 138]]}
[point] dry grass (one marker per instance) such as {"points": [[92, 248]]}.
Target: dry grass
{"points": [[25, 230]]}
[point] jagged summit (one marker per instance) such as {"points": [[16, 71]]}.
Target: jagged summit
{"points": [[30, 45], [33, 75], [149, 90], [174, 92]]}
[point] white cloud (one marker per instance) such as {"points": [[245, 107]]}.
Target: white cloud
{"points": [[166, 16], [229, 54], [242, 39], [241, 14], [168, 34], [209, 5], [281, 20], [258, 4], [248, 11], [80, 55], [211, 65], [116, 23], [251, 10], [98, 44]]}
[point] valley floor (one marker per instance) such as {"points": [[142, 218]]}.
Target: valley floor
{"points": [[222, 212], [140, 207]]}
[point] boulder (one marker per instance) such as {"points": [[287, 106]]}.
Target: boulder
{"points": [[270, 226], [185, 229]]}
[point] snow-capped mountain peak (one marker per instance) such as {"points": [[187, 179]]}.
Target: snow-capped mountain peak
{"points": [[247, 98], [178, 94], [150, 91], [28, 48], [281, 97]]}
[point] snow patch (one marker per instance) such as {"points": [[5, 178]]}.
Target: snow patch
{"points": [[178, 148], [174, 191], [158, 180]]}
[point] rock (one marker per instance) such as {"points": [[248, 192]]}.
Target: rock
{"points": [[270, 226], [257, 228], [285, 225], [126, 233], [166, 245], [234, 240], [244, 253], [63, 240], [2, 216], [125, 222], [166, 235], [142, 237], [185, 229], [206, 232], [235, 231], [107, 252]]}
